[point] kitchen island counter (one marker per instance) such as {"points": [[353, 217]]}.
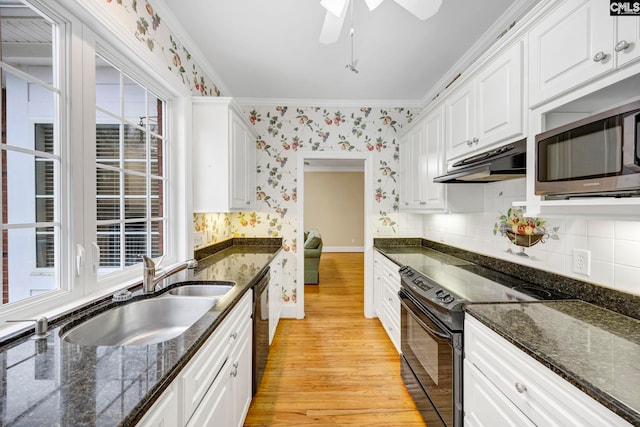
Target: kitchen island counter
{"points": [[53, 382]]}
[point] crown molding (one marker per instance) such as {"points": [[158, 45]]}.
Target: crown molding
{"points": [[514, 13], [295, 102], [181, 34]]}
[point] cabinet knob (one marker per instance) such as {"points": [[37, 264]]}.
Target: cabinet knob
{"points": [[469, 142], [248, 202], [622, 45], [234, 373], [600, 56], [234, 335], [475, 141], [521, 388]]}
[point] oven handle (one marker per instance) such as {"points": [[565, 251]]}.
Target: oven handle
{"points": [[424, 325]]}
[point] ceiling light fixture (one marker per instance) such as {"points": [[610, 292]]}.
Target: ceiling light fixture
{"points": [[336, 12], [354, 63]]}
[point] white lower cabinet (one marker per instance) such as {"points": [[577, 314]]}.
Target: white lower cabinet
{"points": [[164, 412], [386, 300], [275, 294], [505, 386], [241, 375], [215, 388]]}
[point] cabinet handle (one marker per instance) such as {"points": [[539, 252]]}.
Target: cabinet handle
{"points": [[469, 143], [475, 141], [521, 388], [600, 56], [248, 202], [622, 45], [234, 373], [235, 365], [234, 335], [423, 203]]}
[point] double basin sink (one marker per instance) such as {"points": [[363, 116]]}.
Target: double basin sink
{"points": [[152, 320]]}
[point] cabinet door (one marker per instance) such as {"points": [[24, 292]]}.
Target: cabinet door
{"points": [[460, 118], [275, 295], [164, 412], [573, 44], [433, 161], [499, 98], [417, 167], [629, 36], [240, 167], [378, 283], [241, 375], [485, 405], [215, 408]]}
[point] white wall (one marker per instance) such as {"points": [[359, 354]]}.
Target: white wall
{"points": [[614, 245]]}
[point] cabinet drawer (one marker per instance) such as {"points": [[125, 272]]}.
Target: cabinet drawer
{"points": [[543, 396], [391, 324], [201, 371], [485, 405], [205, 367], [391, 299], [163, 413]]}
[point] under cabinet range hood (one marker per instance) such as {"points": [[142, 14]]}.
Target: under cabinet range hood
{"points": [[499, 164]]}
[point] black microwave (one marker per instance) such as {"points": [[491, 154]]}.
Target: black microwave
{"points": [[596, 156]]}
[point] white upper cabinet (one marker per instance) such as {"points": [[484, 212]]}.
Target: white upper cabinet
{"points": [[488, 108], [628, 39], [461, 123], [499, 88], [224, 157], [577, 42], [422, 159]]}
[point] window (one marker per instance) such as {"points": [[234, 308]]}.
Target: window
{"points": [[83, 173], [129, 169], [31, 160]]}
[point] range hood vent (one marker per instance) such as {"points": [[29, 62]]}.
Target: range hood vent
{"points": [[499, 164]]}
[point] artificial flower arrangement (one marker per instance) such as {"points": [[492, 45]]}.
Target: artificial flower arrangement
{"points": [[523, 231]]}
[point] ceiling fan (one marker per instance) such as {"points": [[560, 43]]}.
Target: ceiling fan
{"points": [[337, 11]]}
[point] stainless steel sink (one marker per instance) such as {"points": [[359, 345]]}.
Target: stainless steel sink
{"points": [[203, 290], [144, 322]]}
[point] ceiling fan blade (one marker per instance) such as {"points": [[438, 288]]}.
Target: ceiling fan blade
{"points": [[331, 28], [336, 7], [372, 4], [422, 9]]}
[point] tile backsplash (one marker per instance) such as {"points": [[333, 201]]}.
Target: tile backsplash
{"points": [[614, 245]]}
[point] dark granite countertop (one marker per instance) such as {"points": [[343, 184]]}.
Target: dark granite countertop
{"points": [[592, 346], [53, 382], [595, 349]]}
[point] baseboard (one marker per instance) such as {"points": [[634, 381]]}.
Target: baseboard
{"points": [[289, 311], [343, 249]]}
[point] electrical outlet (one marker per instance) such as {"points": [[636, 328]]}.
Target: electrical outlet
{"points": [[582, 262]]}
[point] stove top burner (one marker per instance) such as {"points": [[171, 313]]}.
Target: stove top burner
{"points": [[444, 288]]}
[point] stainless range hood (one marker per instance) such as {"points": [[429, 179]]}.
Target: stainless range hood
{"points": [[499, 164]]}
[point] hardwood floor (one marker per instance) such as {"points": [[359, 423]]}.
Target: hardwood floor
{"points": [[335, 367]]}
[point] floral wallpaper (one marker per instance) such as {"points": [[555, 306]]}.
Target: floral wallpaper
{"points": [[283, 132], [286, 131], [149, 29]]}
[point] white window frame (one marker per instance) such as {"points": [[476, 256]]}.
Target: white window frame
{"points": [[78, 44]]}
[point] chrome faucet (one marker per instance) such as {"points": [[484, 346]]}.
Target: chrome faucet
{"points": [[149, 278]]}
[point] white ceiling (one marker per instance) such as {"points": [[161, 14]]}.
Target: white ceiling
{"points": [[270, 49]]}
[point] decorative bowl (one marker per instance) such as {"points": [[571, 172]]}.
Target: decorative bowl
{"points": [[525, 240]]}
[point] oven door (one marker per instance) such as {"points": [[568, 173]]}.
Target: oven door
{"points": [[433, 355]]}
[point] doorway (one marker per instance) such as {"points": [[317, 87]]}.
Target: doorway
{"points": [[365, 159]]}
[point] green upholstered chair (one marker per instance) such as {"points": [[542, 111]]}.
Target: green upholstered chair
{"points": [[312, 252]]}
